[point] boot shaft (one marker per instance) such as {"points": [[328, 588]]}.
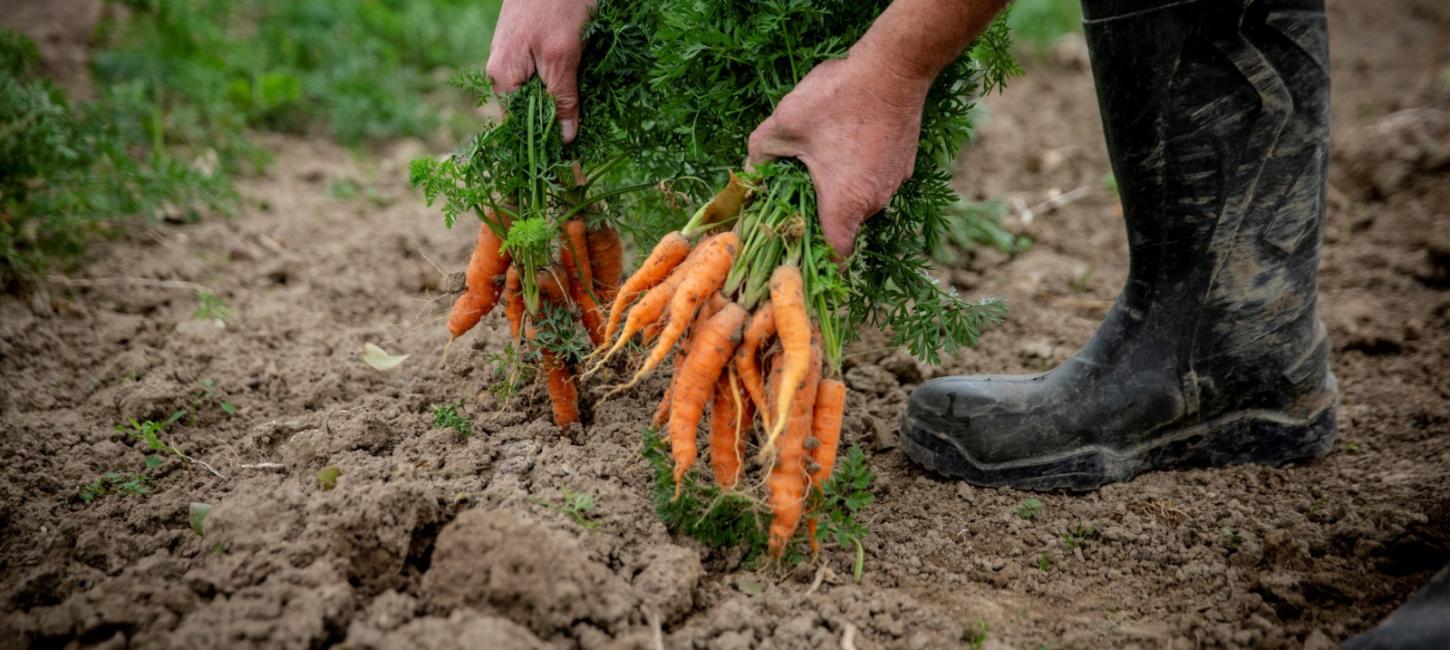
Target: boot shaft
{"points": [[1217, 121]]}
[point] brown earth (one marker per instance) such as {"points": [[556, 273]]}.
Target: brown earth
{"points": [[434, 540]]}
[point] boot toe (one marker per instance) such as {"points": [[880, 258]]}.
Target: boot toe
{"points": [[955, 425]]}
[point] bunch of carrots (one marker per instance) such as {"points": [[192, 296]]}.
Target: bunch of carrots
{"points": [[746, 362], [587, 272]]}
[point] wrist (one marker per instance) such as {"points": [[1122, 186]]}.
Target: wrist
{"points": [[897, 77]]}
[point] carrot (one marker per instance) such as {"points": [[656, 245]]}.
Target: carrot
{"points": [[563, 393], [696, 379], [787, 480], [760, 329], [730, 418], [666, 255], [662, 411], [513, 302], [573, 256], [645, 312], [826, 429], [705, 277], [794, 329], [606, 261], [552, 282], [481, 294]]}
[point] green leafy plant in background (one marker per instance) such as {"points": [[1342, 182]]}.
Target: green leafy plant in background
{"points": [[1042, 23], [976, 223], [179, 84]]}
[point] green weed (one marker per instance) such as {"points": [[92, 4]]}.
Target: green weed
{"points": [[209, 396], [112, 483], [1078, 536], [209, 306], [447, 416], [576, 505], [1029, 508], [1044, 561], [975, 634]]}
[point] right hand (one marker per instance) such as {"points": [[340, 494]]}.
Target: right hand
{"points": [[543, 37]]}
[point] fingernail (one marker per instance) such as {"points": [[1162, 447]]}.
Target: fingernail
{"points": [[571, 128]]}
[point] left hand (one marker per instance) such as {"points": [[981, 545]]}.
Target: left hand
{"points": [[854, 122]]}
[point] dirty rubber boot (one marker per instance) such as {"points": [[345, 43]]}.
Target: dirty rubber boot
{"points": [[1217, 121], [1422, 623]]}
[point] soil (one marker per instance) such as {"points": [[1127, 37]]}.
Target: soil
{"points": [[431, 539]]}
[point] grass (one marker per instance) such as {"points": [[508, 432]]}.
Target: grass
{"points": [[180, 84], [576, 505], [1078, 536]]}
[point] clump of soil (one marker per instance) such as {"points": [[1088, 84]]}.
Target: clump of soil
{"points": [[431, 538]]}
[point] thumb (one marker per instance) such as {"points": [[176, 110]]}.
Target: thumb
{"points": [[561, 80], [770, 142]]}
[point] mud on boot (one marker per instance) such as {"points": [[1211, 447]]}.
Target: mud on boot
{"points": [[1217, 121]]}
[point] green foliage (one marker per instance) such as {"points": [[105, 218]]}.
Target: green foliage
{"points": [[576, 505], [1041, 23], [72, 170], [976, 223], [447, 416], [149, 433], [701, 510], [179, 83], [729, 519], [209, 306], [359, 69], [112, 483], [507, 373], [209, 396], [975, 635], [1044, 561], [1078, 536], [1029, 508]]}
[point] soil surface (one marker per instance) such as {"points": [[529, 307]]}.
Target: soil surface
{"points": [[430, 539]]}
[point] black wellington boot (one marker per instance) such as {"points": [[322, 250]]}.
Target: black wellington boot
{"points": [[1217, 120], [1422, 623]]}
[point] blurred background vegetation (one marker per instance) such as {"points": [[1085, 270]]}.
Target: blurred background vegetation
{"points": [[180, 84]]}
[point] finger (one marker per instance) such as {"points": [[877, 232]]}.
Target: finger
{"points": [[770, 142], [561, 81], [840, 208], [508, 67]]}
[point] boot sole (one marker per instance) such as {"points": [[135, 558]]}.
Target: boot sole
{"points": [[1262, 437]]}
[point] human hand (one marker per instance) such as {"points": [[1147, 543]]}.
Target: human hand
{"points": [[543, 37], [854, 122]]}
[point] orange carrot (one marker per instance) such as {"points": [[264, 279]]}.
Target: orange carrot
{"points": [[481, 294], [563, 393], [645, 312], [760, 329], [552, 281], [606, 261], [513, 302], [826, 428], [706, 275], [787, 480], [696, 379], [578, 276], [666, 255], [793, 326], [730, 418]]}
